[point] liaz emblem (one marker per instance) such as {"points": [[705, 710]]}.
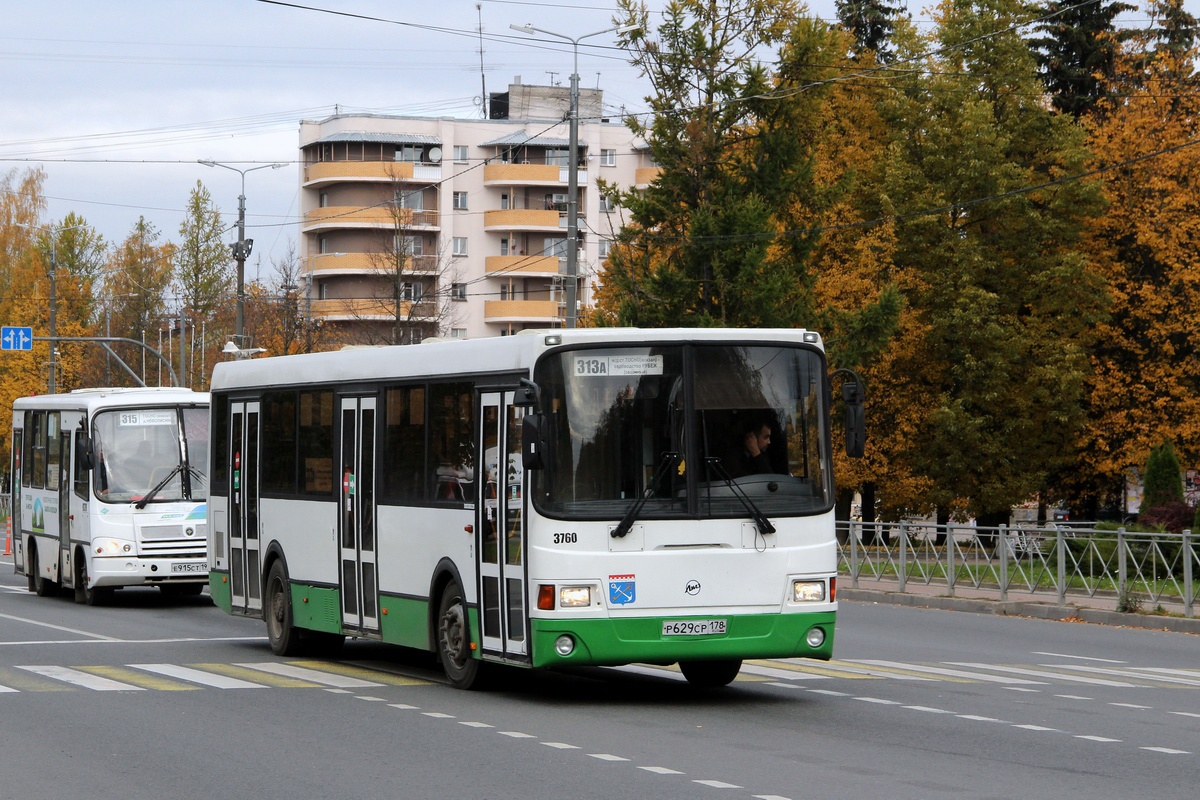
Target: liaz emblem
{"points": [[622, 589]]}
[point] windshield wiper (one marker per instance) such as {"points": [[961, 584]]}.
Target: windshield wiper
{"points": [[668, 460], [157, 487], [760, 520]]}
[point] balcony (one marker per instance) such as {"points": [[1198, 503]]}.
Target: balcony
{"points": [[528, 175], [522, 219], [343, 217], [521, 311], [333, 264], [644, 176], [541, 266], [362, 308], [327, 172]]}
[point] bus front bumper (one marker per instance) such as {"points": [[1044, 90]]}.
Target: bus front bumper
{"points": [[113, 571], [612, 642]]}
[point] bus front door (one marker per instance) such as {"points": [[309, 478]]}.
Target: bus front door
{"points": [[356, 516], [500, 525], [244, 558]]}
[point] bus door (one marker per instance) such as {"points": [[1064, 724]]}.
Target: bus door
{"points": [[356, 515], [14, 503], [501, 528], [245, 582], [67, 572]]}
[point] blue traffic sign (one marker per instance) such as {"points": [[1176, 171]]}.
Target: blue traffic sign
{"points": [[13, 338]]}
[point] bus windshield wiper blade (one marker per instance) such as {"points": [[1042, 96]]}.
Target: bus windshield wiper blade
{"points": [[760, 520], [668, 460], [158, 487]]}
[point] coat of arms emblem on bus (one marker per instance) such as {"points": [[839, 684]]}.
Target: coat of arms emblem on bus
{"points": [[622, 589]]}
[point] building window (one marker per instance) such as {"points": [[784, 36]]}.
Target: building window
{"points": [[557, 156], [602, 246], [607, 204], [555, 246], [458, 333], [412, 292], [504, 202], [458, 291], [323, 244], [460, 245], [408, 245], [461, 152], [460, 201], [608, 158], [323, 291], [414, 200], [408, 152], [504, 247], [324, 200]]}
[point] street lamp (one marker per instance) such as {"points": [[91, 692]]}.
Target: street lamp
{"points": [[573, 162], [241, 250], [52, 382]]}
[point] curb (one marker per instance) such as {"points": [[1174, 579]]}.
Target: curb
{"points": [[1045, 611]]}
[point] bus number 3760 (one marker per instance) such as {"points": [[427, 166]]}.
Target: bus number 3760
{"points": [[569, 537]]}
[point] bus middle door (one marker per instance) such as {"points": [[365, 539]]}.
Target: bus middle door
{"points": [[356, 515], [501, 528], [244, 556]]}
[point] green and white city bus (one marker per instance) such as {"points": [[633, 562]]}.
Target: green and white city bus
{"points": [[558, 498], [108, 490]]}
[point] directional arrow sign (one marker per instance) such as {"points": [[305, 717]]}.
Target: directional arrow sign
{"points": [[14, 338]]}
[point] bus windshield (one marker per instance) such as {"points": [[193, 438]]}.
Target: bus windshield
{"points": [[696, 429], [138, 454]]}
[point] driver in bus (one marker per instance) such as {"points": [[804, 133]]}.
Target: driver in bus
{"points": [[751, 457]]}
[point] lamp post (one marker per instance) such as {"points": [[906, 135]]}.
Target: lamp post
{"points": [[573, 162], [52, 381], [241, 250]]}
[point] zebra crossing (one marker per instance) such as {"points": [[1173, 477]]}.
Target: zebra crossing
{"points": [[353, 676]]}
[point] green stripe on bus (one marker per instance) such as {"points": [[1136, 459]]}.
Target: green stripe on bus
{"points": [[404, 621], [218, 589], [627, 640], [316, 608]]}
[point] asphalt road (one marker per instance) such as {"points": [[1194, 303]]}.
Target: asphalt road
{"points": [[154, 697]]}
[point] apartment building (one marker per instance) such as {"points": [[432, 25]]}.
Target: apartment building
{"points": [[417, 227]]}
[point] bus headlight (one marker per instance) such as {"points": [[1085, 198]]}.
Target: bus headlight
{"points": [[111, 547], [574, 597], [808, 591]]}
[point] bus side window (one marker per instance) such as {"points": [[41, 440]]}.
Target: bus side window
{"points": [[83, 463]]}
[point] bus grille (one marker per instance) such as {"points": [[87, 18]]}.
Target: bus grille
{"points": [[173, 540]]}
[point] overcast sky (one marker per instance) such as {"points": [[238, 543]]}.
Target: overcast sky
{"points": [[118, 100]]}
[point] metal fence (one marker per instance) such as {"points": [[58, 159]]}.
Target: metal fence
{"points": [[1123, 569]]}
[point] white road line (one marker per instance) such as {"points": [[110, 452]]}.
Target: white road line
{"points": [[198, 676], [1021, 689], [977, 718], [517, 735], [782, 685], [84, 679], [607, 757], [1081, 658], [830, 692], [1185, 714], [1128, 673], [1132, 705], [4, 689], [311, 675], [1097, 738], [718, 784], [879, 701], [1072, 697], [782, 674], [1169, 751], [561, 745], [954, 673], [476, 724], [370, 699], [1187, 673], [662, 771], [1035, 673], [1035, 728], [769, 797], [404, 706], [96, 636], [929, 710]]}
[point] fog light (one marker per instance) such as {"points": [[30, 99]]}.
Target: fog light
{"points": [[565, 645], [815, 637], [574, 596], [808, 591]]}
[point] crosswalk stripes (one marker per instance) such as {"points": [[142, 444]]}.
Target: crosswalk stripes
{"points": [[355, 675]]}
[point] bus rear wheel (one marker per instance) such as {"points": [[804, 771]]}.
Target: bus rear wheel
{"points": [[710, 674], [454, 640], [281, 632], [43, 586]]}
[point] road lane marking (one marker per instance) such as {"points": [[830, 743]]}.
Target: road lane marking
{"points": [[717, 784], [607, 757], [955, 673], [929, 710], [1168, 750], [288, 670], [255, 675], [76, 677], [1081, 658], [198, 676], [1097, 738], [1036, 728], [1035, 673], [142, 680], [1126, 673], [561, 745], [517, 735], [662, 771], [99, 637], [474, 724]]}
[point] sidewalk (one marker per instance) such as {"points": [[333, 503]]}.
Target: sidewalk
{"points": [[1099, 610]]}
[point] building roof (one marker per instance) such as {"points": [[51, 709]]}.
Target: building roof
{"points": [[380, 138], [521, 138]]}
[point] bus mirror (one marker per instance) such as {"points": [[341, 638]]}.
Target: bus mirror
{"points": [[527, 394], [856, 426], [531, 441], [83, 451]]}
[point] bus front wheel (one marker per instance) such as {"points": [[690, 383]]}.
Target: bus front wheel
{"points": [[92, 596], [454, 639], [710, 674], [283, 635]]}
